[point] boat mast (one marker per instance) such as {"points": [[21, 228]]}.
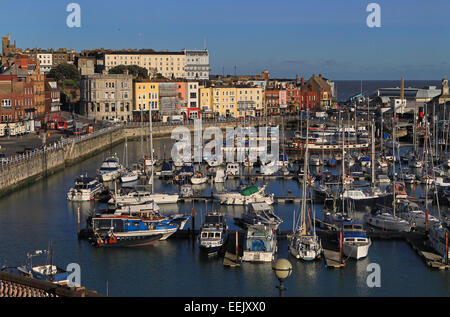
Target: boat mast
{"points": [[343, 167], [305, 174], [393, 150], [151, 143], [373, 154]]}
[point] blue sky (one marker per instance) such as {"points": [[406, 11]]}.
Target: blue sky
{"points": [[287, 37]]}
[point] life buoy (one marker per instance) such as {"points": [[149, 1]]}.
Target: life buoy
{"points": [[113, 239]]}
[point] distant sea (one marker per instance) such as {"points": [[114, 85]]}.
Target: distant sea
{"points": [[349, 88]]}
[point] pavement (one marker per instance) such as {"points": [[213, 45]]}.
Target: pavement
{"points": [[13, 145]]}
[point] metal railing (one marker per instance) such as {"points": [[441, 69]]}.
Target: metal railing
{"points": [[52, 147], [62, 143]]}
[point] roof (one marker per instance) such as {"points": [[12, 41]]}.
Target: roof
{"points": [[143, 53], [13, 285]]}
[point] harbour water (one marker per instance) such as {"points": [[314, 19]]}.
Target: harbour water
{"points": [[32, 217]]}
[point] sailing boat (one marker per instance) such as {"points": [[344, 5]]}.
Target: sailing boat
{"points": [[131, 175], [304, 244], [159, 198]]}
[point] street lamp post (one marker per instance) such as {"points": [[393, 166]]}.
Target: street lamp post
{"points": [[282, 269]]}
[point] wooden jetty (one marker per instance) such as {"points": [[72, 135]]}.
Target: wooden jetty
{"points": [[332, 256], [234, 249], [418, 242]]}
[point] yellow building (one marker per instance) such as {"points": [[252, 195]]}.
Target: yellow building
{"points": [[232, 101], [168, 64], [249, 101], [146, 94], [224, 101]]}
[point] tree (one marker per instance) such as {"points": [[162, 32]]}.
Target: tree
{"points": [[134, 70], [64, 72]]}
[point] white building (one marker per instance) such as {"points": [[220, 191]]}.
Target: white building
{"points": [[192, 90], [197, 64], [45, 61]]}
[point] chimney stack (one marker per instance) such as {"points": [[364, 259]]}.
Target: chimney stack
{"points": [[402, 89], [303, 81]]}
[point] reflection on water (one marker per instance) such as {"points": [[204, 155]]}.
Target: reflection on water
{"points": [[39, 213]]}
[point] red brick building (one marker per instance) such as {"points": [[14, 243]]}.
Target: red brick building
{"points": [[16, 99], [301, 96]]}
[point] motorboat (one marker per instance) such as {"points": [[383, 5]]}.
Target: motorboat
{"points": [[110, 169], [127, 196], [212, 162], [437, 237], [44, 271], [363, 201], [384, 220], [335, 217], [251, 194], [260, 244], [151, 211], [411, 212], [128, 231], [85, 189], [260, 214], [355, 242], [232, 169], [383, 179], [130, 176], [213, 233], [199, 178], [405, 175], [321, 192], [166, 170]]}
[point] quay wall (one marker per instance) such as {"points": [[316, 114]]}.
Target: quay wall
{"points": [[25, 169]]}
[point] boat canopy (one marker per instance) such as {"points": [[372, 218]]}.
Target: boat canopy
{"points": [[249, 190]]}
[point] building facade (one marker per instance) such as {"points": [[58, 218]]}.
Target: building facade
{"points": [[168, 64], [197, 65], [107, 96]]}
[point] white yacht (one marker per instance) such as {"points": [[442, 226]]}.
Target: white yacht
{"points": [[260, 244], [213, 234], [386, 221], [199, 178], [260, 214], [85, 189], [412, 213], [251, 194], [130, 176], [130, 196], [355, 241], [110, 169], [232, 169], [363, 201]]}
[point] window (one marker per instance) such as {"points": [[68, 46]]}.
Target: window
{"points": [[106, 107], [6, 103]]}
